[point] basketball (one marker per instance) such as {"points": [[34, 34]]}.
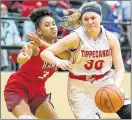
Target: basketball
{"points": [[109, 99]]}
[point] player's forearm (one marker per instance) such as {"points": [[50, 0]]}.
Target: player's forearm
{"points": [[119, 75], [63, 55], [49, 57]]}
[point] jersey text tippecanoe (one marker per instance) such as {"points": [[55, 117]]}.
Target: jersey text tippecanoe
{"points": [[91, 57]]}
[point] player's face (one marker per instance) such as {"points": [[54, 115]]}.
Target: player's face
{"points": [[91, 21], [48, 28]]}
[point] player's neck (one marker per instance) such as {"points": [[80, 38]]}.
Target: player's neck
{"points": [[48, 40], [95, 35]]}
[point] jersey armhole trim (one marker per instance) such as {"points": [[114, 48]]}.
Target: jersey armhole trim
{"points": [[106, 35], [73, 50]]}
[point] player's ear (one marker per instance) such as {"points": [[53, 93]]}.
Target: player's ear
{"points": [[101, 19], [39, 31]]}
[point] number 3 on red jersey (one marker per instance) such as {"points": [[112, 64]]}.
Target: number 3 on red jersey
{"points": [[45, 74], [94, 64]]}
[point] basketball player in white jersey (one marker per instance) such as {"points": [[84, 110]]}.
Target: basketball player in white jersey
{"points": [[93, 50]]}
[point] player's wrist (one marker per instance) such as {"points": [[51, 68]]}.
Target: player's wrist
{"points": [[57, 61], [41, 42], [119, 75], [117, 83]]}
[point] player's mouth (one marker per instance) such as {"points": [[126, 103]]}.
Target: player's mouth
{"points": [[54, 31], [91, 27]]}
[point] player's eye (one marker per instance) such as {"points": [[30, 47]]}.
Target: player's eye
{"points": [[85, 19], [47, 25], [53, 23], [93, 18]]}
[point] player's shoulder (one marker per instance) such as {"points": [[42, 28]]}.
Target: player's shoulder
{"points": [[110, 35], [112, 38]]}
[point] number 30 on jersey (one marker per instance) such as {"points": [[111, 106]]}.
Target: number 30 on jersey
{"points": [[94, 64]]}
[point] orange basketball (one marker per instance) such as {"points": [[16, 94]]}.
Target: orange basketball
{"points": [[109, 99]]}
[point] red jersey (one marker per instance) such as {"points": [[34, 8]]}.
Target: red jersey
{"points": [[36, 69]]}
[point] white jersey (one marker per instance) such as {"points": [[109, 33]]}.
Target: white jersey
{"points": [[91, 57]]}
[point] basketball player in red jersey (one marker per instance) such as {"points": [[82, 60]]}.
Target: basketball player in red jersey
{"points": [[25, 94]]}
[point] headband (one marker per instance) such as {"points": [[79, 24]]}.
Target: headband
{"points": [[91, 9]]}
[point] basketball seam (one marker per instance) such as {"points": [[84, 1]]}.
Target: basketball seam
{"points": [[110, 100], [117, 94], [100, 90], [100, 99]]}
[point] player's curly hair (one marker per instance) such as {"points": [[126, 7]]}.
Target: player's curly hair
{"points": [[75, 20], [37, 14]]}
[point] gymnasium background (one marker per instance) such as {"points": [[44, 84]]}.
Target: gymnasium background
{"points": [[15, 25]]}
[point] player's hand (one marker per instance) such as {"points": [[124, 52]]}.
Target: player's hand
{"points": [[27, 51], [35, 38], [25, 55], [64, 64]]}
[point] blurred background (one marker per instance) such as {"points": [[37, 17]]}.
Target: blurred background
{"points": [[15, 24]]}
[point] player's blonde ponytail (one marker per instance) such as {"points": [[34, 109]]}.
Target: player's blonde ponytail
{"points": [[75, 20]]}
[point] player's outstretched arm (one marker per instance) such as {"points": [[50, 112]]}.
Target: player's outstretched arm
{"points": [[70, 41], [39, 42], [34, 37], [30, 49]]}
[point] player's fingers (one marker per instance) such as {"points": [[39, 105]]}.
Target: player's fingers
{"points": [[35, 38], [28, 47], [34, 44], [23, 52], [66, 65], [29, 35], [32, 36], [69, 63], [62, 66]]}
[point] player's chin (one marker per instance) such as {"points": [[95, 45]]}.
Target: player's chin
{"points": [[53, 37], [92, 29]]}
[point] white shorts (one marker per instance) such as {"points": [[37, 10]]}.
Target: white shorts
{"points": [[81, 96]]}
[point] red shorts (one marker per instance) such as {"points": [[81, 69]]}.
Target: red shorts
{"points": [[18, 88]]}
